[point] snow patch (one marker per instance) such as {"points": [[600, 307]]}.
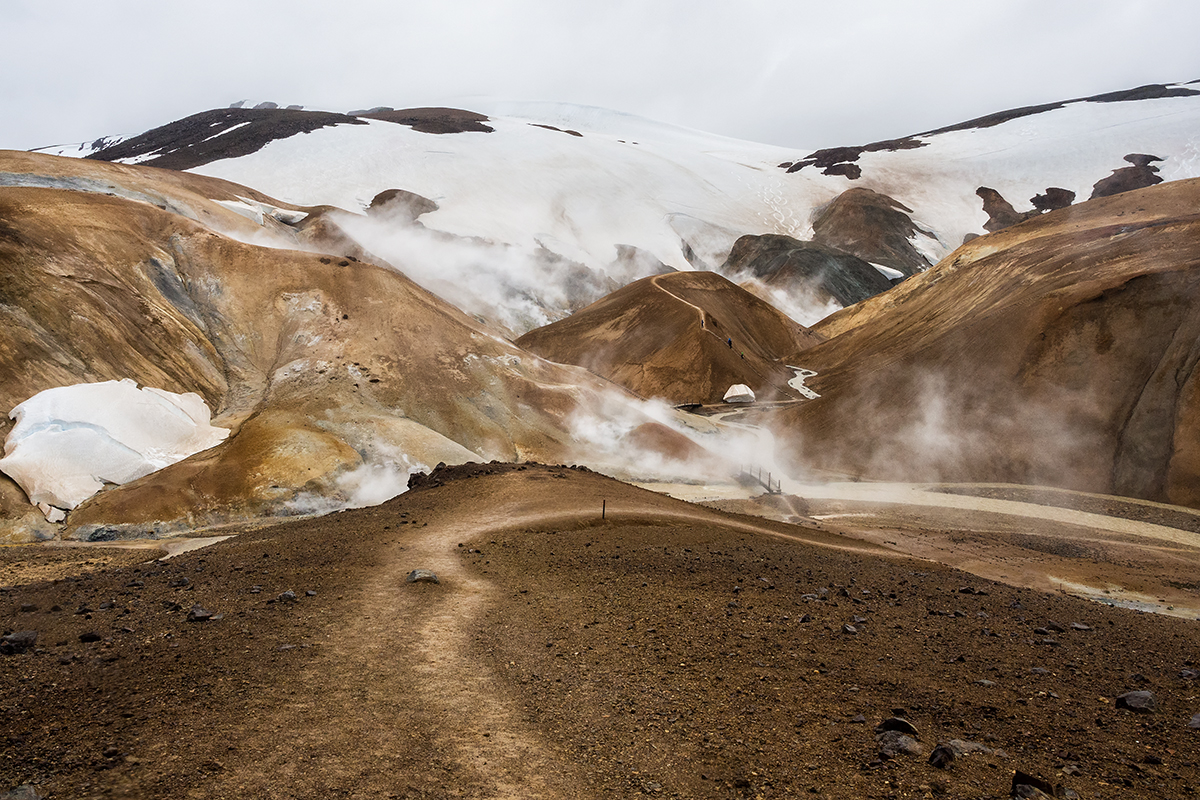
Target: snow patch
{"points": [[70, 441], [887, 272]]}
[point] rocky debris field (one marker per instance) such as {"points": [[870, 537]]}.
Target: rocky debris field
{"points": [[665, 651]]}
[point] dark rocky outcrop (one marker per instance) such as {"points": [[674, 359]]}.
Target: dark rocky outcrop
{"points": [[214, 135], [871, 226], [1125, 179], [1053, 199], [400, 206], [793, 265], [434, 120], [1000, 212]]}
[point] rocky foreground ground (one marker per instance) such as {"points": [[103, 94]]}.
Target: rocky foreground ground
{"points": [[663, 649]]}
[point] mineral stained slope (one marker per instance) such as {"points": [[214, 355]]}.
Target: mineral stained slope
{"points": [[321, 365], [685, 337], [1060, 351]]}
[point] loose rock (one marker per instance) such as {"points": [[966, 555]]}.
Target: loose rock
{"points": [[1140, 702], [897, 724], [895, 743], [18, 642], [22, 792], [1031, 786], [422, 576], [199, 614], [942, 756]]}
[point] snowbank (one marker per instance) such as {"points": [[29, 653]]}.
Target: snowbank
{"points": [[69, 441]]}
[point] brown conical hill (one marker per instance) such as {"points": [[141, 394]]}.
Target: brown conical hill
{"points": [[321, 366], [685, 337], [1059, 351]]}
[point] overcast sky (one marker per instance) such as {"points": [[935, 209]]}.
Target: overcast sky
{"points": [[802, 73]]}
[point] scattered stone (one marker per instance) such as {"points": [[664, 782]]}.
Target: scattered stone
{"points": [[18, 642], [1039, 671], [857, 620], [310, 593], [286, 597], [422, 576], [256, 589], [179, 583], [961, 747], [942, 756], [984, 682], [1079, 626], [1140, 702], [895, 743], [1055, 627], [1030, 786], [27, 608], [806, 618], [89, 636], [1188, 674], [22, 792], [1194, 722], [850, 629], [111, 751], [897, 724], [859, 719], [199, 614]]}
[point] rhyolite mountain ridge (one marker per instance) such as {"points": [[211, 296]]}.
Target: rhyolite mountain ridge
{"points": [[344, 290]]}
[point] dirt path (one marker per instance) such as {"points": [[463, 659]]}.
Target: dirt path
{"points": [[415, 641]]}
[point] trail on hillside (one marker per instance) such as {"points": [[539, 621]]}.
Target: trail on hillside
{"points": [[400, 673]]}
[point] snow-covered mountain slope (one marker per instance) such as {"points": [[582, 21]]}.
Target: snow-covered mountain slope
{"points": [[577, 182], [1072, 146]]}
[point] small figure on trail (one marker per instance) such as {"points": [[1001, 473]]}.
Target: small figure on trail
{"points": [[729, 342], [743, 356]]}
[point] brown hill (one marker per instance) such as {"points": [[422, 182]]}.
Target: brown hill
{"points": [[1060, 351], [320, 365], [685, 337]]}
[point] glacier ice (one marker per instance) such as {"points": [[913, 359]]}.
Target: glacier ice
{"points": [[71, 440]]}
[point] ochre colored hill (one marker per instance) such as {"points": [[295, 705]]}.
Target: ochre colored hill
{"points": [[320, 365], [1060, 351], [684, 337]]}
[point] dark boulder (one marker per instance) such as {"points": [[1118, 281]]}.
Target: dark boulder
{"points": [[1139, 702], [18, 642]]}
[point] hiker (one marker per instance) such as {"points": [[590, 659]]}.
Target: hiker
{"points": [[729, 342]]}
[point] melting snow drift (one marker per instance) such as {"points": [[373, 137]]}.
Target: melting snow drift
{"points": [[69, 441]]}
